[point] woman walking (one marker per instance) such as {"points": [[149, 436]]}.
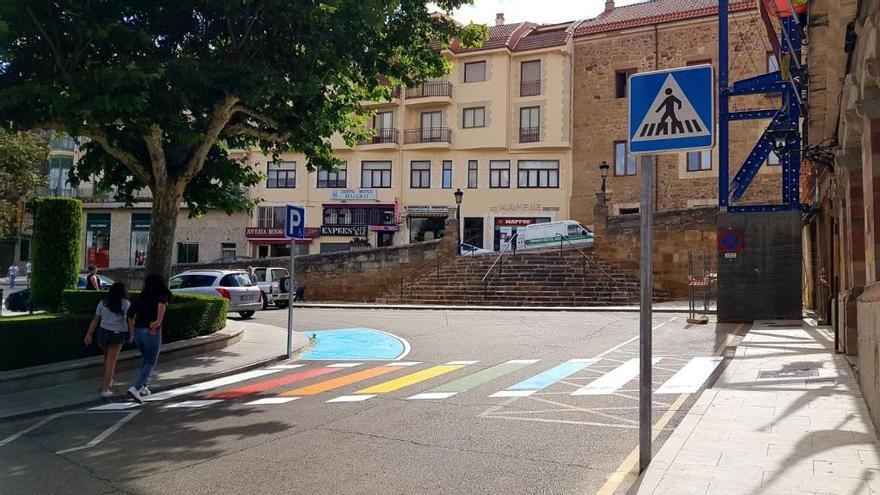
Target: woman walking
{"points": [[113, 328], [148, 312]]}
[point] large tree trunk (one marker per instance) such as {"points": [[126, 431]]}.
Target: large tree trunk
{"points": [[166, 207]]}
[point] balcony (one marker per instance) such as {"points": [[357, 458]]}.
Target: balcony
{"points": [[442, 135], [530, 88], [395, 100], [429, 93], [382, 137], [529, 134]]}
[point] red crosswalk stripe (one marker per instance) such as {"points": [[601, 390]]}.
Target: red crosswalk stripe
{"points": [[275, 382]]}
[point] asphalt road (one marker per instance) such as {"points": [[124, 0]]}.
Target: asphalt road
{"points": [[548, 442]]}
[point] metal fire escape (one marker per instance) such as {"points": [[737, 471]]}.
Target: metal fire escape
{"points": [[783, 134]]}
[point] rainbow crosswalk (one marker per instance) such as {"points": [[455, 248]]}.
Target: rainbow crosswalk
{"points": [[282, 384]]}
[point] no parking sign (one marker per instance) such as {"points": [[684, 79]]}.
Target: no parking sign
{"points": [[730, 242]]}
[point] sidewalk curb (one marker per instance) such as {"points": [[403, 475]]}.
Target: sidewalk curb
{"points": [[581, 309], [183, 382]]}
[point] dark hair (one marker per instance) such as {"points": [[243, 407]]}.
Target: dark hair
{"points": [[154, 288], [114, 298], [92, 268]]}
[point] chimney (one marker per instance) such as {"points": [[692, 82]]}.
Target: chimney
{"points": [[609, 5], [499, 18]]}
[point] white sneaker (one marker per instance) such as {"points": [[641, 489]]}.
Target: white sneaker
{"points": [[145, 392], [106, 394], [134, 394]]}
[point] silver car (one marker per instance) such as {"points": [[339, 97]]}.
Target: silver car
{"points": [[234, 285]]}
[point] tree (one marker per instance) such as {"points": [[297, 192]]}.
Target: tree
{"points": [[23, 155], [56, 249], [164, 89]]}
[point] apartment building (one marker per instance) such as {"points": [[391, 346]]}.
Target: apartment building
{"points": [[650, 36], [497, 127]]}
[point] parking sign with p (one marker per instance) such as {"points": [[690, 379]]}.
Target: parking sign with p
{"points": [[296, 222]]}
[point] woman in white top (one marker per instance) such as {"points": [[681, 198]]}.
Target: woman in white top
{"points": [[114, 329]]}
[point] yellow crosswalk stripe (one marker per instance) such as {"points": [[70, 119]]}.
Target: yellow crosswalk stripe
{"points": [[411, 379]]}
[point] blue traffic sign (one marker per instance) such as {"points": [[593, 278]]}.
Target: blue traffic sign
{"points": [[295, 226], [672, 110]]}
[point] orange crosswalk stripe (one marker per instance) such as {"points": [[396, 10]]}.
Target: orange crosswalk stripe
{"points": [[317, 388]]}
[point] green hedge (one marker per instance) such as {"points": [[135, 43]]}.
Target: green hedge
{"points": [[56, 249], [48, 338]]}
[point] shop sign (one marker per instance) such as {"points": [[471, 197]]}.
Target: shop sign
{"points": [[433, 211], [344, 230], [518, 207], [263, 233], [140, 221], [384, 228], [98, 221], [312, 232], [352, 194], [514, 222]]}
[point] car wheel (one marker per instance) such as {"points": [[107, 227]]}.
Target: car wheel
{"points": [[264, 299], [280, 304], [246, 314]]}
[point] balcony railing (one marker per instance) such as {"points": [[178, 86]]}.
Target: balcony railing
{"points": [[529, 134], [89, 194], [428, 135], [432, 88], [530, 88], [383, 136]]}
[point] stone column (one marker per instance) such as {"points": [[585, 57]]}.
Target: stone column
{"points": [[871, 197], [852, 234], [600, 216]]}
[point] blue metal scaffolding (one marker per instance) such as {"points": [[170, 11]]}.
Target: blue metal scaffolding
{"points": [[782, 135]]}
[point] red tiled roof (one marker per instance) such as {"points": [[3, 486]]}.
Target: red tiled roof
{"points": [[546, 36], [504, 36], [655, 12]]}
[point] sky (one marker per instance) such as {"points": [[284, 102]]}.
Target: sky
{"points": [[540, 11]]}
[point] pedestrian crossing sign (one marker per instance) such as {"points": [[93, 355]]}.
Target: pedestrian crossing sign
{"points": [[672, 110]]}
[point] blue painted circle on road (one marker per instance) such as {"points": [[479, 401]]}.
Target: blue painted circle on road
{"points": [[354, 344]]}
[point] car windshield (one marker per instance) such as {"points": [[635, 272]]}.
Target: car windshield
{"points": [[190, 281], [236, 280], [278, 275]]}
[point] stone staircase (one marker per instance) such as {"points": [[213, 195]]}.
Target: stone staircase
{"points": [[528, 278]]}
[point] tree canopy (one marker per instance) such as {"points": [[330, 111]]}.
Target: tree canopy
{"points": [[23, 157], [164, 89]]}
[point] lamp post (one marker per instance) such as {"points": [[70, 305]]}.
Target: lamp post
{"points": [[458, 196], [779, 139], [603, 169]]}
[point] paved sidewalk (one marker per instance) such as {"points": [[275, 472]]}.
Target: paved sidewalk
{"points": [[259, 345], [805, 431]]}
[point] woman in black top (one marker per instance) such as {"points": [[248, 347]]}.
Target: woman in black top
{"points": [[92, 282], [148, 313]]}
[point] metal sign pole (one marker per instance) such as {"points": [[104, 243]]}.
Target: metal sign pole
{"points": [[646, 212], [291, 293]]}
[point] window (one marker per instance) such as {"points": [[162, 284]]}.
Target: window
{"points": [[537, 173], [333, 178], [227, 250], [190, 281], [281, 175], [420, 175], [473, 183], [621, 80], [530, 78], [236, 280], [628, 211], [375, 174], [383, 120], [529, 124], [271, 217], [474, 117], [475, 71], [499, 173], [358, 216], [187, 252], [432, 123], [699, 160], [447, 174], [624, 163], [772, 62]]}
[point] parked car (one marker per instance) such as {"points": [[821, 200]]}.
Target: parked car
{"points": [[232, 259], [273, 291], [467, 249], [18, 301], [548, 234], [233, 285], [103, 281]]}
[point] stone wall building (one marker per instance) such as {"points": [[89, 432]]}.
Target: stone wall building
{"points": [[645, 37]]}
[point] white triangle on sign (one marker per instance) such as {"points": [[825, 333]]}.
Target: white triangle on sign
{"points": [[670, 116]]}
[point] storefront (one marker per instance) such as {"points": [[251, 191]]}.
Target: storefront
{"points": [[270, 242], [357, 225], [506, 227], [140, 238], [98, 239], [426, 222]]}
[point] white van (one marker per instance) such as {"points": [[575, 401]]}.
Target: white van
{"points": [[547, 235]]}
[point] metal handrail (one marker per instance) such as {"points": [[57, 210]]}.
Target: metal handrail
{"points": [[419, 275], [586, 257], [500, 259]]}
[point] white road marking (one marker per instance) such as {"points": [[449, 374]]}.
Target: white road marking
{"points": [[18, 435], [103, 435], [465, 363], [286, 366], [432, 395], [115, 406], [613, 380], [403, 363], [200, 387], [513, 393], [524, 361], [192, 404], [690, 378], [271, 400], [344, 365], [351, 398]]}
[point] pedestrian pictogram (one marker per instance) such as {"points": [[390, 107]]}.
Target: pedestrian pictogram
{"points": [[671, 110], [730, 241]]}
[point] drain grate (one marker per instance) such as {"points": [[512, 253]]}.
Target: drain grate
{"points": [[797, 373]]}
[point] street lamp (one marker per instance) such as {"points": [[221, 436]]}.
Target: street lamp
{"points": [[458, 196], [779, 138], [603, 169]]}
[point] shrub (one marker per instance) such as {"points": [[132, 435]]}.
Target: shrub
{"points": [[56, 249], [43, 338]]}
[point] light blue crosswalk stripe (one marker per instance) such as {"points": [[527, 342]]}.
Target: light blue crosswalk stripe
{"points": [[545, 378]]}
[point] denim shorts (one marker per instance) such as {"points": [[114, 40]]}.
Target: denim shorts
{"points": [[109, 337]]}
